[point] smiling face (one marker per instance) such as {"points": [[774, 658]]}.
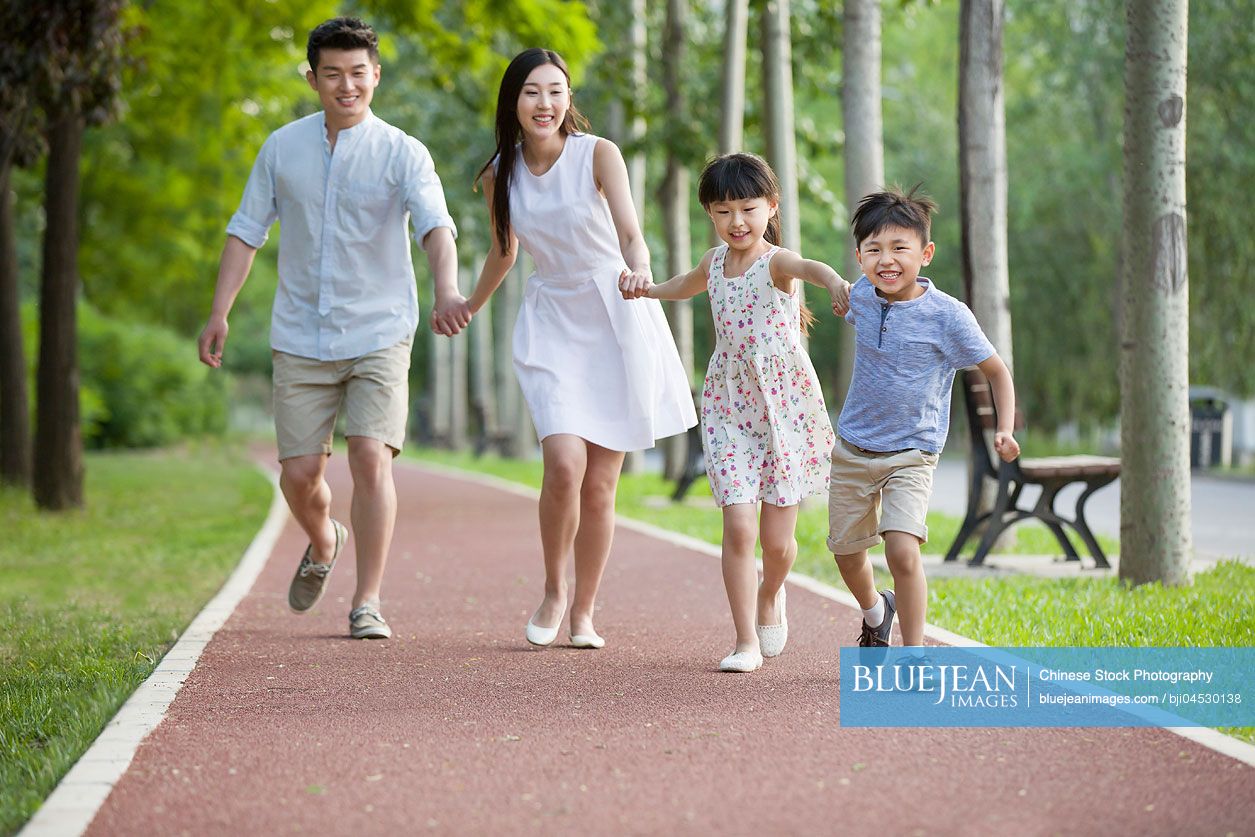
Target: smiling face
{"points": [[345, 80], [543, 102], [741, 224], [892, 258]]}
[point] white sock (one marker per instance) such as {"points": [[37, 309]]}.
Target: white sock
{"points": [[875, 614], [915, 651]]}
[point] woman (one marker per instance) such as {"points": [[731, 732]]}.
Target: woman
{"points": [[601, 375]]}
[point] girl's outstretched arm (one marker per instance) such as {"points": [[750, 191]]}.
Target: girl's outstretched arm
{"points": [[611, 175], [497, 264], [787, 265], [683, 286]]}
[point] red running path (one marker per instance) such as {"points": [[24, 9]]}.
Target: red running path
{"points": [[458, 726]]}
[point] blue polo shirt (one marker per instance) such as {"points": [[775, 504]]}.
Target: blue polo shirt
{"points": [[904, 363]]}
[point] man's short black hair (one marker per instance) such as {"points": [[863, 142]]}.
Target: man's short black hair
{"points": [[893, 208], [341, 33]]}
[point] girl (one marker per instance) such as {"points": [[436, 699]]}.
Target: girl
{"points": [[766, 431], [600, 376]]}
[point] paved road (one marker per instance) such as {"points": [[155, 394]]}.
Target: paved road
{"points": [[457, 726], [1223, 510]]}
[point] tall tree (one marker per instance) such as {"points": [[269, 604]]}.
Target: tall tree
{"points": [[864, 136], [983, 170], [81, 51], [778, 116], [674, 194], [1155, 540], [732, 80], [21, 143]]}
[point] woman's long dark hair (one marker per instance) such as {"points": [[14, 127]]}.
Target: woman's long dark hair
{"points": [[510, 132], [743, 176]]}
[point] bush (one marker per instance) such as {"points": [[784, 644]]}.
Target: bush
{"points": [[140, 385]]}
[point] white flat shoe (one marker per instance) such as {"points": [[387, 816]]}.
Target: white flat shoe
{"points": [[744, 661], [592, 640], [773, 637], [537, 635]]}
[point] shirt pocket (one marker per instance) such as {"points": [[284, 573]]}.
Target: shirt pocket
{"points": [[364, 209]]}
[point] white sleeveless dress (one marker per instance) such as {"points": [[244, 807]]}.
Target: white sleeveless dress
{"points": [[590, 363]]}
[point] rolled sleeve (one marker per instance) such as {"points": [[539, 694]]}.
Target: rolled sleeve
{"points": [[258, 210], [424, 195]]}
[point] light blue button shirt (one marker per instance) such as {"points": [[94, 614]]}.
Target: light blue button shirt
{"points": [[905, 357], [346, 278]]}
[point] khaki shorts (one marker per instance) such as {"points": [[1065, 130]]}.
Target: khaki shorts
{"points": [[374, 389], [873, 493]]}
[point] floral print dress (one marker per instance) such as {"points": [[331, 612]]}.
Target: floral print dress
{"points": [[766, 430]]}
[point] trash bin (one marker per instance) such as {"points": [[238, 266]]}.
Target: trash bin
{"points": [[1211, 433]]}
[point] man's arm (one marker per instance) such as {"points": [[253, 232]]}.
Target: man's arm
{"points": [[1004, 402], [233, 269], [451, 313]]}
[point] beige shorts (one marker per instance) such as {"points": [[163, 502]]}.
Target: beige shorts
{"points": [[873, 493], [373, 388]]}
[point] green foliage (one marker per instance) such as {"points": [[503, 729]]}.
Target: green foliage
{"points": [[92, 601], [140, 385]]}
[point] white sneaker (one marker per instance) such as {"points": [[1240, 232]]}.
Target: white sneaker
{"points": [[743, 661], [773, 637]]}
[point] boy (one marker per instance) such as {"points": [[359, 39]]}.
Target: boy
{"points": [[342, 183], [910, 339]]}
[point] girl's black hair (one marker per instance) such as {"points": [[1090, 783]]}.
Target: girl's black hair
{"points": [[510, 132], [743, 176], [738, 177]]}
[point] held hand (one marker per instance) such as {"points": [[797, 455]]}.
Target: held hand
{"points": [[1006, 446], [212, 340], [450, 315], [634, 284], [840, 298]]}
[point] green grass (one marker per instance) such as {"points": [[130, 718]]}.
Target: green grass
{"points": [[92, 599], [1013, 611]]}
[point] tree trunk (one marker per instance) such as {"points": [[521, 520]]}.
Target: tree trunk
{"points": [[15, 443], [634, 462], [983, 187], [459, 394], [1155, 539], [732, 116], [58, 481], [983, 171], [864, 139], [483, 393], [440, 373], [778, 116], [674, 199], [518, 433]]}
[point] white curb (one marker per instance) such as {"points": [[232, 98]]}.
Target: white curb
{"points": [[83, 790]]}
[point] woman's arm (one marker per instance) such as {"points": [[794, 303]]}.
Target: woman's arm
{"points": [[497, 264], [611, 176], [786, 265]]}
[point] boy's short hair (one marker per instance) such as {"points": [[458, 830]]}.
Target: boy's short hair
{"points": [[893, 208], [341, 33]]}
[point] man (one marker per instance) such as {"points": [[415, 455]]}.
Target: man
{"points": [[342, 183]]}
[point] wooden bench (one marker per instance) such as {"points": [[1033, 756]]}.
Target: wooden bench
{"points": [[1052, 474]]}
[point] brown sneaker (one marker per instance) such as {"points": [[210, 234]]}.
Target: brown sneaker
{"points": [[311, 577], [366, 622]]}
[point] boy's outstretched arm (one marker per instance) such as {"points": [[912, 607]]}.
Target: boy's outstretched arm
{"points": [[786, 265], [1004, 402], [682, 286]]}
